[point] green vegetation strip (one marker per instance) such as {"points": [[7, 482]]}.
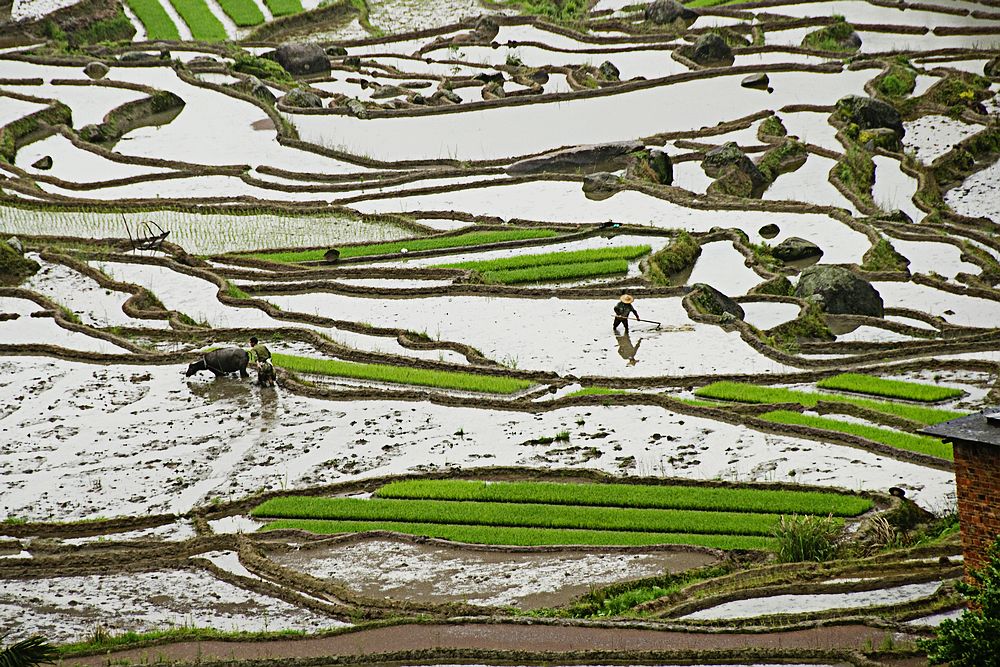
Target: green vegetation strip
{"points": [[554, 258], [401, 375], [244, 13], [537, 274], [913, 443], [155, 19], [203, 23], [631, 495], [283, 7], [596, 391], [867, 384], [750, 393], [527, 536], [519, 515], [412, 245]]}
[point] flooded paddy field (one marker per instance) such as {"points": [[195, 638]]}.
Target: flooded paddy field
{"points": [[437, 217]]}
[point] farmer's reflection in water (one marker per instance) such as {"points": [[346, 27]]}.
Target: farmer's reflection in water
{"points": [[627, 350]]}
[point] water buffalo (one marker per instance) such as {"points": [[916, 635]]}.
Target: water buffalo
{"points": [[222, 361]]}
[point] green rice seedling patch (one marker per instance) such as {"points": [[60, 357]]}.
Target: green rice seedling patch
{"points": [[402, 375], [526, 536], [596, 391], [554, 258], [284, 7], [244, 13], [155, 19], [743, 392], [907, 441], [538, 274], [874, 386], [524, 515], [200, 19], [706, 498], [411, 245]]}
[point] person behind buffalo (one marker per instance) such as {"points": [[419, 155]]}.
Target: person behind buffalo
{"points": [[260, 356], [622, 310]]}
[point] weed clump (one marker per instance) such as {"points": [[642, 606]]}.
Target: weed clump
{"points": [[806, 538], [14, 267], [262, 68], [838, 36], [680, 255], [899, 81], [883, 257]]}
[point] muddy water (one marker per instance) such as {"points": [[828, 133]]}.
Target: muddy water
{"points": [[941, 258], [930, 137], [954, 308], [436, 574], [178, 442], [73, 164], [792, 604], [894, 189], [810, 182], [545, 126], [66, 609], [566, 336], [28, 330], [976, 196], [724, 268]]}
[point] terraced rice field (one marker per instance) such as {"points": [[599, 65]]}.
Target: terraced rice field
{"points": [[428, 219], [529, 514]]}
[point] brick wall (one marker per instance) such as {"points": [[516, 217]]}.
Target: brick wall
{"points": [[977, 478]]}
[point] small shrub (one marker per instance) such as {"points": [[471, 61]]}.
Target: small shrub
{"points": [[900, 80], [806, 538]]}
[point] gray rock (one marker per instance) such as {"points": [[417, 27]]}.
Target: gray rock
{"points": [[15, 243], [493, 91], [667, 11], [298, 97], [539, 76], [489, 77], [254, 86], [794, 249], [449, 95], [735, 173], [137, 57], [43, 162], [756, 81], [852, 40], [487, 28], [869, 114], [301, 59], [881, 137], [336, 51], [601, 185], [581, 159], [839, 291], [710, 49], [96, 70], [383, 92], [609, 71], [992, 67], [713, 302], [202, 61], [356, 108], [769, 231]]}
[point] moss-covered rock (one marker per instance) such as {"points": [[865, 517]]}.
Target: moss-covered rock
{"points": [[711, 301], [14, 267], [303, 99], [667, 12], [680, 255], [810, 325], [786, 157], [777, 286], [868, 113], [838, 36], [883, 257], [771, 128], [653, 166], [795, 249], [735, 174], [711, 50], [880, 137]]}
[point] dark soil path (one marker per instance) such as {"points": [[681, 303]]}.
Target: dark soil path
{"points": [[497, 637]]}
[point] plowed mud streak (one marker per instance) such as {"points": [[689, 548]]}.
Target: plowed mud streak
{"points": [[98, 421], [496, 637]]}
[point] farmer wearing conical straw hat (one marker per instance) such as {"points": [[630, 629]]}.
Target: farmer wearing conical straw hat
{"points": [[622, 310]]}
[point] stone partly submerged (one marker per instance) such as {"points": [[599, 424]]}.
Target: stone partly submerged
{"points": [[302, 59], [578, 160], [868, 114], [735, 174], [14, 266], [711, 301], [96, 70], [794, 249], [302, 99], [711, 50], [839, 291], [664, 12], [654, 166], [601, 185]]}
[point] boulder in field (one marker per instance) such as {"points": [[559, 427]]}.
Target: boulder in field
{"points": [[96, 70], [839, 291], [653, 165], [609, 71], [756, 81], [601, 185], [769, 231], [578, 160], [43, 162], [735, 173], [711, 49], [869, 114], [302, 99], [14, 267], [302, 59], [713, 302], [794, 249], [663, 12]]}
